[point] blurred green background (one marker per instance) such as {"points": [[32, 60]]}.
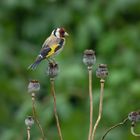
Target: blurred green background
{"points": [[110, 27]]}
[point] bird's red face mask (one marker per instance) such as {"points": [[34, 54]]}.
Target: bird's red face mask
{"points": [[62, 32]]}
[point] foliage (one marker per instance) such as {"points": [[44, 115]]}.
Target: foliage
{"points": [[111, 28]]}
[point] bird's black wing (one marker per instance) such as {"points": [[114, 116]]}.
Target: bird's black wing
{"points": [[42, 55], [45, 51]]}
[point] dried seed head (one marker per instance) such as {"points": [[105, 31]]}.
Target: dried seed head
{"points": [[33, 86], [29, 121], [52, 70], [134, 116], [102, 71], [89, 58]]}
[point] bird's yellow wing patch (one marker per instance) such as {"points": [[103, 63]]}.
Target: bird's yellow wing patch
{"points": [[52, 51]]}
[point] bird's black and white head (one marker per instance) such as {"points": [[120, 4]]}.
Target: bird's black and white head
{"points": [[59, 32]]}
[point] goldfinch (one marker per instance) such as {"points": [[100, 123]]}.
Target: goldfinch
{"points": [[52, 46]]}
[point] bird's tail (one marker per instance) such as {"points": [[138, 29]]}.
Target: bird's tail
{"points": [[36, 63]]}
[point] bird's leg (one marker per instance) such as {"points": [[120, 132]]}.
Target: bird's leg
{"points": [[53, 61], [49, 60]]}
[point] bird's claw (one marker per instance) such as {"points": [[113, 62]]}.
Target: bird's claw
{"points": [[51, 61]]}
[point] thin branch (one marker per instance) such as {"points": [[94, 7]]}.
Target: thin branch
{"points": [[35, 116], [55, 110], [117, 125], [28, 133], [132, 130], [91, 103], [100, 108]]}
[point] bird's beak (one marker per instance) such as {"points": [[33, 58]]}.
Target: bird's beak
{"points": [[66, 34]]}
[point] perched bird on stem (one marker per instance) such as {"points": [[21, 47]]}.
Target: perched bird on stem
{"points": [[52, 46]]}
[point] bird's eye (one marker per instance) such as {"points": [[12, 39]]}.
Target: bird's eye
{"points": [[62, 31]]}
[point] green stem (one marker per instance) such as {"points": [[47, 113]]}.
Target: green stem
{"points": [[35, 117], [132, 130], [117, 125], [28, 133], [100, 108], [55, 110], [91, 103]]}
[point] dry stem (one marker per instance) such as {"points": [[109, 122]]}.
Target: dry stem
{"points": [[55, 110], [121, 123], [132, 130], [28, 133], [35, 116], [100, 108], [91, 103]]}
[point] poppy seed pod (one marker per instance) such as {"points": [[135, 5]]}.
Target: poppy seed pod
{"points": [[102, 71], [33, 86], [134, 116], [29, 121], [89, 58], [52, 70]]}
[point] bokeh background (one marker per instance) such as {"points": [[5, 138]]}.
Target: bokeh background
{"points": [[110, 27]]}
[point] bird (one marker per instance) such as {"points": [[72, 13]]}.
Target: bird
{"points": [[52, 46]]}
